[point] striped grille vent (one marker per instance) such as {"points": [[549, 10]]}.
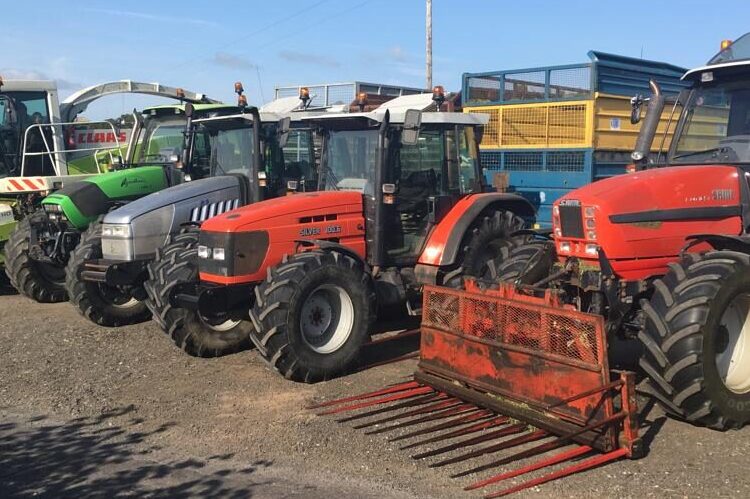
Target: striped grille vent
{"points": [[206, 211]]}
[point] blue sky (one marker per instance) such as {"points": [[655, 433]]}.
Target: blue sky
{"points": [[207, 45]]}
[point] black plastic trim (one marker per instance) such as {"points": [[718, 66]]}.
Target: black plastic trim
{"points": [[709, 212]]}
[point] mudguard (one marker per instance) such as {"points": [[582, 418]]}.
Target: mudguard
{"points": [[444, 243], [84, 201]]}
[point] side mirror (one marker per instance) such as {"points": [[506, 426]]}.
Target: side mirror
{"points": [[636, 104], [283, 131], [412, 124], [479, 133], [189, 110]]}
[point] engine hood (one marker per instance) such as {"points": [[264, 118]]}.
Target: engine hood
{"points": [[647, 216], [172, 195], [285, 210]]}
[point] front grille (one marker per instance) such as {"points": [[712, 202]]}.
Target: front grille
{"points": [[571, 221]]}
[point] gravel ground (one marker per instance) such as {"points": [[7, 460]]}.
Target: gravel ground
{"points": [[86, 411]]}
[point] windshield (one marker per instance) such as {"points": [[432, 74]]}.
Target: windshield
{"points": [[232, 151], [25, 108], [716, 125], [351, 160], [160, 139]]}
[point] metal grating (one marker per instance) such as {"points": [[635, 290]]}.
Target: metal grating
{"points": [[486, 89], [573, 161], [525, 125], [570, 83], [524, 161], [491, 134], [491, 160], [566, 124], [571, 221], [524, 86], [572, 336]]}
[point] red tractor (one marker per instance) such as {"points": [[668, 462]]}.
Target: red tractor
{"points": [[663, 253], [401, 202]]}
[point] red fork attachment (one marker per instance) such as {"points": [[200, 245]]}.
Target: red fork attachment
{"points": [[504, 372]]}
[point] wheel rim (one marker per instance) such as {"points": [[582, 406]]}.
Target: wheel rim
{"points": [[733, 345], [327, 318], [219, 324], [116, 298]]}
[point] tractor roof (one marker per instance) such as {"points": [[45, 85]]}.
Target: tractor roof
{"points": [[734, 58], [181, 107], [398, 107], [28, 85]]}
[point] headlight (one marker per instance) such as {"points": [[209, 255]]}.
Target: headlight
{"points": [[116, 230], [233, 253], [592, 249], [205, 253], [52, 208]]}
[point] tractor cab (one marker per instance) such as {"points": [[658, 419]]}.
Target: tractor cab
{"points": [[23, 104], [225, 145], [410, 166]]}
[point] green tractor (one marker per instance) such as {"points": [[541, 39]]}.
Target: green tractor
{"points": [[44, 147], [39, 246]]}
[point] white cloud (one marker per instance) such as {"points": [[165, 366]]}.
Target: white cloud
{"points": [[21, 74], [231, 61], [309, 58], [152, 17]]}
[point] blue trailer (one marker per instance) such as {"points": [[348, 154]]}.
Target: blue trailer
{"points": [[553, 129]]}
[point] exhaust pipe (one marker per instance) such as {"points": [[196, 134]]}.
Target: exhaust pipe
{"points": [[648, 129]]}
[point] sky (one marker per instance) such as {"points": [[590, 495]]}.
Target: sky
{"points": [[206, 46]]}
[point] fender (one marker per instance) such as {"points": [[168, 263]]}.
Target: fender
{"points": [[444, 243], [333, 246], [719, 242]]}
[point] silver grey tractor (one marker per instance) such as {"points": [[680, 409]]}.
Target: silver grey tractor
{"points": [[232, 161]]}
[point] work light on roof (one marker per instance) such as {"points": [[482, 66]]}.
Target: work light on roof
{"points": [[725, 44], [180, 93], [238, 88], [362, 100]]}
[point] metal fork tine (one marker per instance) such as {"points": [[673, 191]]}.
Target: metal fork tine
{"points": [[484, 425], [430, 397], [467, 418], [503, 432], [575, 468], [506, 444], [423, 390], [442, 414], [443, 404], [550, 461], [385, 391]]}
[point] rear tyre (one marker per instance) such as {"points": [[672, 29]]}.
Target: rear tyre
{"points": [[198, 336], [100, 303], [312, 315], [488, 244], [41, 281], [697, 339]]}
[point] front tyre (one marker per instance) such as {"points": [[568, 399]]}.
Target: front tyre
{"points": [[312, 315], [102, 304], [195, 334], [697, 339], [41, 281]]}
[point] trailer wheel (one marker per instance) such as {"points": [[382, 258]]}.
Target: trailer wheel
{"points": [[312, 315], [100, 303], [697, 339], [488, 245], [41, 281], [528, 263], [198, 336]]}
